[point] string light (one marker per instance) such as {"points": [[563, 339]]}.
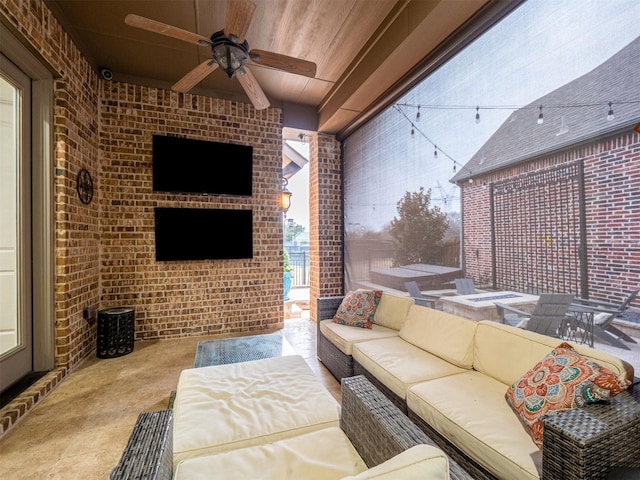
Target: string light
{"points": [[418, 114], [610, 114], [540, 117], [414, 128], [540, 120]]}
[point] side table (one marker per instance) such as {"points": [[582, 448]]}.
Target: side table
{"points": [[115, 332]]}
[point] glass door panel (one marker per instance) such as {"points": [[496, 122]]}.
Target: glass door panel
{"points": [[15, 236]]}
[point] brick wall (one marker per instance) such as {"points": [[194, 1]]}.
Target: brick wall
{"points": [[611, 186], [104, 251], [325, 199], [174, 299]]}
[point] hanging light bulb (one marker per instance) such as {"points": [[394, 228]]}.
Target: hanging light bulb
{"points": [[413, 131], [435, 151], [418, 114], [454, 168], [540, 117], [478, 114], [610, 114]]}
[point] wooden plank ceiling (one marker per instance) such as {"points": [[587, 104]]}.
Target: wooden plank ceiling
{"points": [[361, 47]]}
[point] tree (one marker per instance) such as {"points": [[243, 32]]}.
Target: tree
{"points": [[292, 230], [419, 229]]}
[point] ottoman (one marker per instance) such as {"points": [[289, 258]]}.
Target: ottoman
{"points": [[225, 407]]}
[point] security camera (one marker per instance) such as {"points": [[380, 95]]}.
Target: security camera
{"points": [[106, 74]]}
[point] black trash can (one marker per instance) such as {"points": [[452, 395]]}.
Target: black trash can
{"points": [[115, 332]]}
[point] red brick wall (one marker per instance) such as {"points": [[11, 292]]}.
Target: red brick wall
{"points": [[174, 299], [612, 201], [325, 198]]}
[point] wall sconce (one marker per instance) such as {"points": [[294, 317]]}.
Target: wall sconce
{"points": [[285, 198]]}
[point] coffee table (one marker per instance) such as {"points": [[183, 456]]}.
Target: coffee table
{"points": [[241, 349]]}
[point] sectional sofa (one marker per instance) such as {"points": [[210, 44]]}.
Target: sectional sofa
{"points": [[451, 376], [272, 419]]}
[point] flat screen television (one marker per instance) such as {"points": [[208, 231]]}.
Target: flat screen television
{"points": [[184, 165], [201, 234]]}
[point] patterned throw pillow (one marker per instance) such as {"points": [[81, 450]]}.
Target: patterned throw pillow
{"points": [[358, 308], [562, 380]]}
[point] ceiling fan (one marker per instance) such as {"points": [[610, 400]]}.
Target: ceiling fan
{"points": [[230, 51]]}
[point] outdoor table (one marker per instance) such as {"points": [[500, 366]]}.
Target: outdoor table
{"points": [[579, 324], [481, 306]]}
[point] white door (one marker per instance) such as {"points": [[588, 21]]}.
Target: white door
{"points": [[16, 357]]}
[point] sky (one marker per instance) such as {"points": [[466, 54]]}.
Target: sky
{"points": [[299, 187], [541, 46]]}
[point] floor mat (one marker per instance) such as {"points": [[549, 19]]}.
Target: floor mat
{"points": [[240, 349]]}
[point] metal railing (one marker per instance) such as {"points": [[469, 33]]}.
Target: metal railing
{"points": [[300, 263]]}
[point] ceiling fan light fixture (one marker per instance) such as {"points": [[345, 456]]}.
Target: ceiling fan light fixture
{"points": [[230, 56]]}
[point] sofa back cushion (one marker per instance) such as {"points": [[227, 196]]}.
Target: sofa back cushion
{"points": [[442, 334], [506, 353], [392, 310]]}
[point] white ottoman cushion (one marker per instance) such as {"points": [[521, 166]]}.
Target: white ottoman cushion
{"points": [[225, 407], [420, 462], [325, 454]]}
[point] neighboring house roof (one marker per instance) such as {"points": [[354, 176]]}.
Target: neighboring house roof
{"points": [[520, 138], [292, 161]]}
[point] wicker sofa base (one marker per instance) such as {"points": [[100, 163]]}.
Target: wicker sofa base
{"points": [[339, 364], [375, 426]]}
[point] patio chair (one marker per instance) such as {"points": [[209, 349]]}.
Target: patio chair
{"points": [[465, 286], [548, 316], [604, 314], [420, 299]]}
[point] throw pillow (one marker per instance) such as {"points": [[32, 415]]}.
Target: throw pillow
{"points": [[358, 308], [562, 380]]}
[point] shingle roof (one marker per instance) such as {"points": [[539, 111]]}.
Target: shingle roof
{"points": [[520, 138]]}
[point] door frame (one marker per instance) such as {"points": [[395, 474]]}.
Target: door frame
{"points": [[42, 200]]}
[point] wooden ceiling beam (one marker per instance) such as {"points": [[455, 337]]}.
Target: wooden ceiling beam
{"points": [[411, 31]]}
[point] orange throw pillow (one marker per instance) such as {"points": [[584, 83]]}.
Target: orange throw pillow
{"points": [[358, 308], [562, 380]]}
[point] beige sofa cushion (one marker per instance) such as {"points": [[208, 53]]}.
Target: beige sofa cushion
{"points": [[445, 335], [418, 462], [344, 336], [398, 364], [323, 454], [506, 353], [392, 310], [470, 409], [225, 407]]}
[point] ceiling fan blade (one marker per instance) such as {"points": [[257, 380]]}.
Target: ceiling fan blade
{"points": [[252, 89], [154, 26], [283, 62], [194, 77], [239, 15]]}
